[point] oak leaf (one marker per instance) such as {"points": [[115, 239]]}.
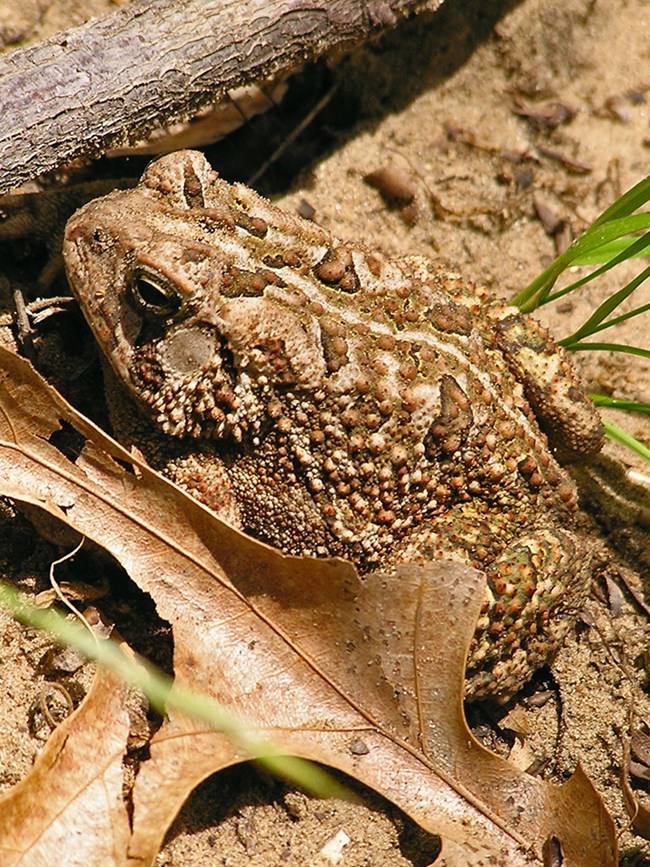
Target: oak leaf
{"points": [[365, 677], [69, 809]]}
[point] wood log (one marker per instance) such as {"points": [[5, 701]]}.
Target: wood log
{"points": [[114, 79]]}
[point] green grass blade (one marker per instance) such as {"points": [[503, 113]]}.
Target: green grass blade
{"points": [[618, 403], [608, 251], [617, 434], [608, 347], [627, 203], [616, 320], [600, 234], [595, 322], [162, 694]]}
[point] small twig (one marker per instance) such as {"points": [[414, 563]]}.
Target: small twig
{"points": [[57, 589], [292, 136], [25, 338], [48, 687]]}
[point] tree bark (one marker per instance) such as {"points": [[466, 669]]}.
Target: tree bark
{"points": [[156, 61]]}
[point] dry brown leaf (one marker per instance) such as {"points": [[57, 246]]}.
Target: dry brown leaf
{"points": [[638, 811], [366, 678], [69, 809]]}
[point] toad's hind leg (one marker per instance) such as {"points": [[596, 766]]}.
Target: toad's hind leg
{"points": [[537, 584]]}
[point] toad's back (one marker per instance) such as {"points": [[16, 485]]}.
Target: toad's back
{"points": [[333, 401]]}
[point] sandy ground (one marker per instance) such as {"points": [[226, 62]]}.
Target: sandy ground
{"points": [[496, 111]]}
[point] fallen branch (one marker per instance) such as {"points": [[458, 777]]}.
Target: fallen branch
{"points": [[114, 79]]}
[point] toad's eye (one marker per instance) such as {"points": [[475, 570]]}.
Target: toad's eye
{"points": [[154, 295]]}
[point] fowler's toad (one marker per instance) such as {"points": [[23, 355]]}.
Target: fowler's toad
{"points": [[332, 401]]}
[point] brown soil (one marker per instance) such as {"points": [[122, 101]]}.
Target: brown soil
{"points": [[445, 98]]}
